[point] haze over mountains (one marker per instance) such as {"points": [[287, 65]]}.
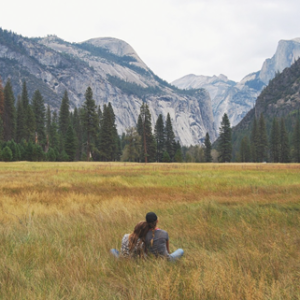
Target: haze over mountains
{"points": [[237, 98], [115, 73]]}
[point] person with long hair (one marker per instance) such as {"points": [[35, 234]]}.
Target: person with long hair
{"points": [[133, 245], [157, 240]]}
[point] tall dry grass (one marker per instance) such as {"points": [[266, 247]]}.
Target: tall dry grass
{"points": [[238, 224]]}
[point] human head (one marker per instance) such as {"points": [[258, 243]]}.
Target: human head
{"points": [[151, 219]]}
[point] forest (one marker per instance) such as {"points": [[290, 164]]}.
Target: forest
{"points": [[30, 130]]}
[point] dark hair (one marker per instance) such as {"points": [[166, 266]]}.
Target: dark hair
{"points": [[151, 219]]}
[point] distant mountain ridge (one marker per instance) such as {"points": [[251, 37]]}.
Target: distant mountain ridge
{"points": [[237, 98], [115, 73]]}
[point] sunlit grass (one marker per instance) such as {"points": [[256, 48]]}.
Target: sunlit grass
{"points": [[238, 224]]}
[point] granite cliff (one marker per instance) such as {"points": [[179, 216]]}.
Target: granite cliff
{"points": [[115, 73], [237, 98]]}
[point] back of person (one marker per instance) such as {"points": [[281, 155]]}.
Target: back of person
{"points": [[159, 247]]}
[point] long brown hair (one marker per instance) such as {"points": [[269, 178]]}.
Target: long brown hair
{"points": [[139, 233]]}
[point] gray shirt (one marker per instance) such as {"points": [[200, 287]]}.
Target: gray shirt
{"points": [[160, 239]]}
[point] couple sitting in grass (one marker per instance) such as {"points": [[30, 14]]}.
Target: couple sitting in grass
{"points": [[147, 239]]}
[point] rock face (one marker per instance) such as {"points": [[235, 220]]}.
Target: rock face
{"points": [[115, 73], [237, 98]]}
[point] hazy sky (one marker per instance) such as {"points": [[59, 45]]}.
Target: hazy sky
{"points": [[173, 37]]}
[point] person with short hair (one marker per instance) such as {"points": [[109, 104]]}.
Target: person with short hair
{"points": [[157, 240]]}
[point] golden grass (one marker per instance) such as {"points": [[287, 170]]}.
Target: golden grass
{"points": [[238, 224]]}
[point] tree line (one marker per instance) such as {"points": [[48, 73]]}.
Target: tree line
{"points": [[261, 146], [29, 130]]}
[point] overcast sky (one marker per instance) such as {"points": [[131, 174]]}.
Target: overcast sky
{"points": [[173, 37]]}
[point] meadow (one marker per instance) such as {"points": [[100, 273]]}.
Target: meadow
{"points": [[239, 225]]}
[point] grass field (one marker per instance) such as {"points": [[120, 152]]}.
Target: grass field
{"points": [[239, 225]]}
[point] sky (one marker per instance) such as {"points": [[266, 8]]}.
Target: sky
{"points": [[173, 37]]}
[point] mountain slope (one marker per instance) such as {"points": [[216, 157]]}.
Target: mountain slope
{"points": [[281, 98], [237, 98], [115, 73]]}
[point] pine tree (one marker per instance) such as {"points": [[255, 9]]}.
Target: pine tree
{"points": [[262, 148], [144, 128], [109, 137], [9, 113], [89, 120], [178, 153], [64, 115], [54, 136], [296, 142], [170, 138], [245, 152], [207, 151], [78, 134], [1, 99], [70, 143], [275, 142], [1, 109], [27, 128], [225, 145], [20, 122], [31, 127], [38, 107], [159, 133], [254, 141], [132, 149], [284, 144], [48, 127]]}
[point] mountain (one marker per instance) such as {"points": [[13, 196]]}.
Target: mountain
{"points": [[280, 99], [237, 98], [115, 73]]}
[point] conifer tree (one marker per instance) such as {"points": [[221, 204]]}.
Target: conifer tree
{"points": [[262, 149], [1, 109], [78, 134], [132, 149], [144, 128], [245, 152], [1, 99], [254, 141], [159, 133], [9, 114], [48, 127], [54, 136], [225, 145], [20, 121], [207, 151], [178, 153], [89, 120], [170, 138], [38, 107], [70, 143], [108, 133], [26, 129], [296, 142], [64, 114], [284, 144], [275, 142]]}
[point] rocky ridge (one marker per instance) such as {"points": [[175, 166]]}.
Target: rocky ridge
{"points": [[237, 98], [115, 73]]}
